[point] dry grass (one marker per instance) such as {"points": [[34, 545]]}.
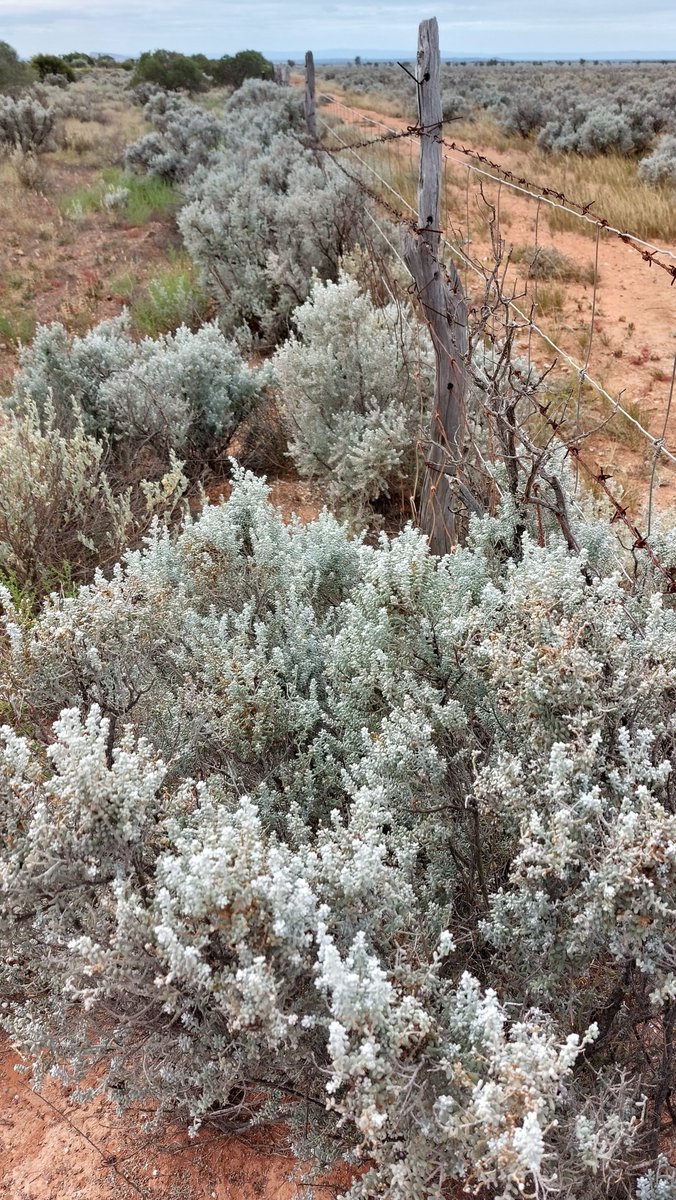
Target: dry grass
{"points": [[546, 262], [609, 180]]}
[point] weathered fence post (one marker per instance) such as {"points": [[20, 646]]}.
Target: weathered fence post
{"points": [[310, 116], [443, 302], [281, 74]]}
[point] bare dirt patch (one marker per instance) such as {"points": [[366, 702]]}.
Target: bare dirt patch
{"points": [[52, 1148], [77, 270]]}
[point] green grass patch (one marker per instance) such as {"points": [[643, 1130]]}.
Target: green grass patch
{"points": [[146, 198], [173, 297]]}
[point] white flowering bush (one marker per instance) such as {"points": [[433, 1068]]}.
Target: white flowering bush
{"points": [[373, 844], [62, 513], [356, 383], [183, 391]]}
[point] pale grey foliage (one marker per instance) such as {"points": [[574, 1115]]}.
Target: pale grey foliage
{"points": [[26, 126], [183, 391], [321, 822], [600, 130], [185, 137], [528, 112], [259, 225], [660, 165], [356, 383]]}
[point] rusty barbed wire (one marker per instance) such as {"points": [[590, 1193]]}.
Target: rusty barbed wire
{"points": [[537, 191], [541, 192], [620, 511], [410, 131]]}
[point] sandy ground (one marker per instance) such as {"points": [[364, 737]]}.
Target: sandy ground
{"points": [[56, 268], [633, 335], [54, 1149]]}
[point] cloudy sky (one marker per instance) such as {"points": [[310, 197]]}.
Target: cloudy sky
{"points": [[342, 27]]}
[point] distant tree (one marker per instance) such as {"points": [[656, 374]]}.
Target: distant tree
{"points": [[357, 60], [14, 74], [75, 57], [248, 64], [169, 70], [52, 64], [105, 60], [205, 64]]}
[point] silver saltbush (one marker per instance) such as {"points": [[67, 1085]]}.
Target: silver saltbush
{"points": [[184, 137], [26, 126], [660, 165], [356, 839], [183, 391], [356, 383], [260, 225]]}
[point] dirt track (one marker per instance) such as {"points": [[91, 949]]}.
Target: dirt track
{"points": [[634, 333]]}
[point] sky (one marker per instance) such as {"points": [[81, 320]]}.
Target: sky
{"points": [[286, 28]]}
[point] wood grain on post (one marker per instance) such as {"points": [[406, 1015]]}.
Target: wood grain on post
{"points": [[441, 296], [310, 115]]}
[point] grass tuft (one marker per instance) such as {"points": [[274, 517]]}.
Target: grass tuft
{"points": [[147, 198], [546, 262], [173, 297]]}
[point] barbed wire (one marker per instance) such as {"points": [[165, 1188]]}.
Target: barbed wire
{"points": [[555, 197], [620, 511], [657, 444]]}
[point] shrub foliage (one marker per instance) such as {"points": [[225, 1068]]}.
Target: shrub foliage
{"points": [[328, 833], [183, 391], [342, 836], [355, 381]]}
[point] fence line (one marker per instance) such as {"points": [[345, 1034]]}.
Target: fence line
{"points": [[517, 183], [657, 444], [620, 512]]}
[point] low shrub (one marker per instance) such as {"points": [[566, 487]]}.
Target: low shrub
{"points": [[61, 514], [453, 105], [546, 262], [185, 138], [26, 126], [259, 229], [339, 837], [184, 391], [660, 165], [601, 130], [527, 112], [356, 383]]}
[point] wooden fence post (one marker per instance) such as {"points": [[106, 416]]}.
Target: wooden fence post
{"points": [[441, 296], [310, 116]]}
